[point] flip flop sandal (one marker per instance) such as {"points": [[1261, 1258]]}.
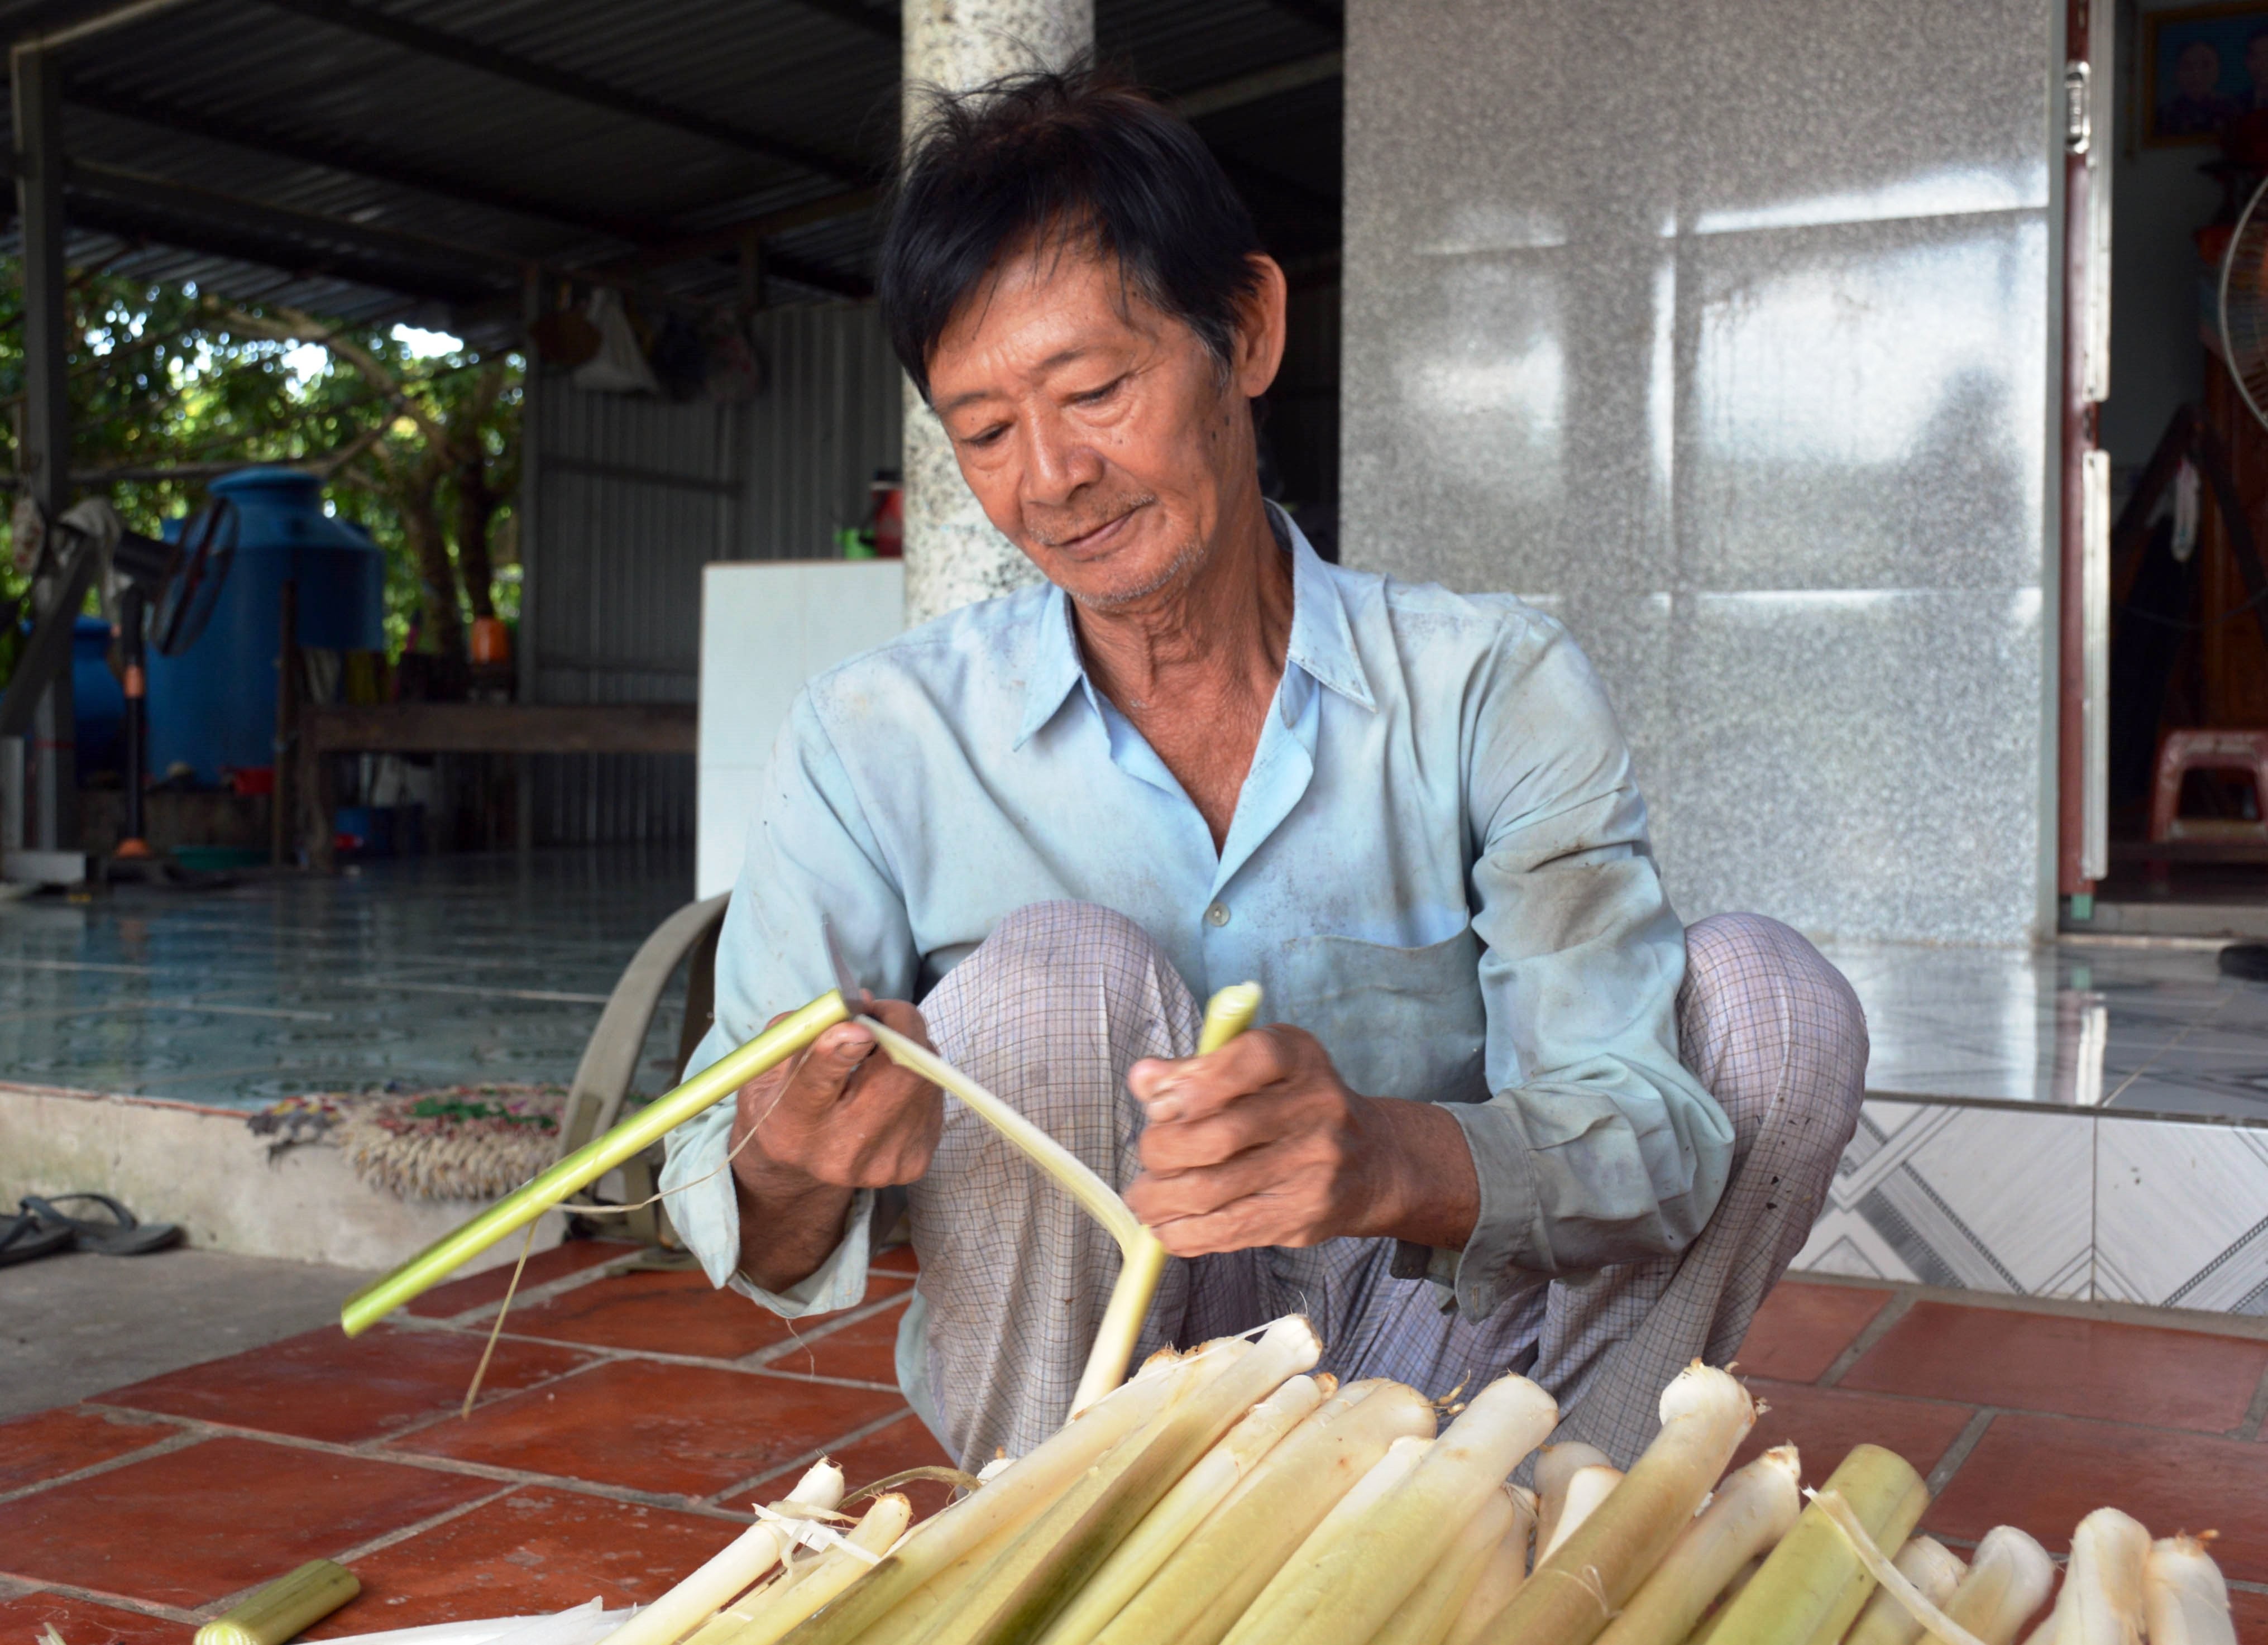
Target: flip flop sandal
{"points": [[22, 1238], [125, 1235]]}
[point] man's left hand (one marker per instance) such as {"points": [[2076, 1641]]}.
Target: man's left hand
{"points": [[1262, 1143]]}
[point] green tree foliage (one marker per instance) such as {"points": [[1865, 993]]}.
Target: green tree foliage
{"points": [[171, 387]]}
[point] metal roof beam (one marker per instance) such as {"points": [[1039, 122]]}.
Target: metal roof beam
{"points": [[293, 259], [1193, 104], [432, 43], [172, 198], [171, 201], [1295, 76], [882, 25], [1317, 13], [351, 158]]}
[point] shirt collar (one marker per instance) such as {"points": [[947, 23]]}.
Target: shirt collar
{"points": [[1321, 643]]}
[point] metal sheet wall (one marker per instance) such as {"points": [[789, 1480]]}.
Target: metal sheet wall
{"points": [[631, 496]]}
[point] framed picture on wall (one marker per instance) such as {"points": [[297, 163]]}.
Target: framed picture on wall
{"points": [[2204, 65]]}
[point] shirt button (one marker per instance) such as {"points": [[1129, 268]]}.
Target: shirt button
{"points": [[1217, 915]]}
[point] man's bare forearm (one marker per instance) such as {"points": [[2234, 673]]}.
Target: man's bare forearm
{"points": [[1431, 1193], [787, 1229]]}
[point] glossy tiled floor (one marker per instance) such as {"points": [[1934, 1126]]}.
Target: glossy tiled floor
{"points": [[434, 970], [442, 969], [2135, 1026], [630, 1417]]}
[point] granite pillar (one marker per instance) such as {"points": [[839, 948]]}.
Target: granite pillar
{"points": [[1721, 330], [952, 554]]}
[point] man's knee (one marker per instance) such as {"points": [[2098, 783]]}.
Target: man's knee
{"points": [[1062, 936], [1773, 1030], [1053, 1006]]}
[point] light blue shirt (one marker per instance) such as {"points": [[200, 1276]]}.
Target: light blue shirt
{"points": [[1438, 866]]}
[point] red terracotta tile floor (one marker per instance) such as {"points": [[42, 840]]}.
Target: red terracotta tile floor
{"points": [[631, 1418]]}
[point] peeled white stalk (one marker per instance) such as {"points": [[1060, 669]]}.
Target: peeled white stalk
{"points": [[2051, 1630], [1001, 1507], [1342, 1594], [1036, 1576], [1934, 1569], [1751, 1511], [1427, 1615], [1813, 1585], [1571, 1596], [1501, 1574], [1715, 1619], [1169, 1525], [2108, 1552], [2007, 1581], [730, 1571], [1347, 1520], [805, 1590], [1587, 1488], [2183, 1596], [1196, 1596], [1837, 1516], [1555, 1466]]}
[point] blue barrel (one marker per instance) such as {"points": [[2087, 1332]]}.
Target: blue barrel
{"points": [[214, 704], [98, 701]]}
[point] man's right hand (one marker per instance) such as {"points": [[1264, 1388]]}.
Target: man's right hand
{"points": [[838, 1117]]}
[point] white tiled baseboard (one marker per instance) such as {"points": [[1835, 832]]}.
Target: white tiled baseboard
{"points": [[2085, 1206]]}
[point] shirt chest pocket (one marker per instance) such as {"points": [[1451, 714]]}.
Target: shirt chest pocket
{"points": [[1396, 1021]]}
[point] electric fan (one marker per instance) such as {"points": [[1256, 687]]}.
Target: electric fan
{"points": [[2244, 304]]}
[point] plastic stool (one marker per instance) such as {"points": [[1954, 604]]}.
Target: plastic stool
{"points": [[2185, 751]]}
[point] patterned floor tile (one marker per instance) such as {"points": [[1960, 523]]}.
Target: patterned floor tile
{"points": [[1979, 1198], [2181, 1216]]}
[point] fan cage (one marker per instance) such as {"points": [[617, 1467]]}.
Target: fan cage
{"points": [[2243, 301]]}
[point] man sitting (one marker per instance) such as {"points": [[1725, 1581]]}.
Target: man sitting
{"points": [[1511, 1116]]}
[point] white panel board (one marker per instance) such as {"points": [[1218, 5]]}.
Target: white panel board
{"points": [[766, 627]]}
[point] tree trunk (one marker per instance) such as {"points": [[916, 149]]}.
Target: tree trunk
{"points": [[476, 506], [436, 573]]}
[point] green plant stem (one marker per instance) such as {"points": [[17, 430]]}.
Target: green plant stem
{"points": [[713, 1084]]}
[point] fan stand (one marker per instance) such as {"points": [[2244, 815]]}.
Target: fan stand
{"points": [[134, 859]]}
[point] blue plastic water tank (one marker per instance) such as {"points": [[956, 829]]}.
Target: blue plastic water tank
{"points": [[98, 701], [215, 703]]}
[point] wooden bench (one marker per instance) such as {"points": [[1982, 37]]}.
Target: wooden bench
{"points": [[469, 728]]}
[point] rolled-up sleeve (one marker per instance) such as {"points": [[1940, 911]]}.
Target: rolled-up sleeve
{"points": [[811, 854], [1598, 1147]]}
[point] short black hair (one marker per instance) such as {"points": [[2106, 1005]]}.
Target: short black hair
{"points": [[1081, 156]]}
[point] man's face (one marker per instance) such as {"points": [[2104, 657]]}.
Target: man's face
{"points": [[2197, 70], [1101, 435]]}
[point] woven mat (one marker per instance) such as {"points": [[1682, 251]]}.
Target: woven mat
{"points": [[455, 1142]]}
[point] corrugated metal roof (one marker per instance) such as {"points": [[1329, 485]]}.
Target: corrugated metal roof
{"points": [[350, 156]]}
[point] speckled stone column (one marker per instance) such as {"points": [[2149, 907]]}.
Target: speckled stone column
{"points": [[952, 554]]}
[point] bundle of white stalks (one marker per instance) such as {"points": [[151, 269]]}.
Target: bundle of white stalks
{"points": [[1231, 1495]]}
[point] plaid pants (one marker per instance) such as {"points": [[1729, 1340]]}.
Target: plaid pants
{"points": [[1053, 1008]]}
